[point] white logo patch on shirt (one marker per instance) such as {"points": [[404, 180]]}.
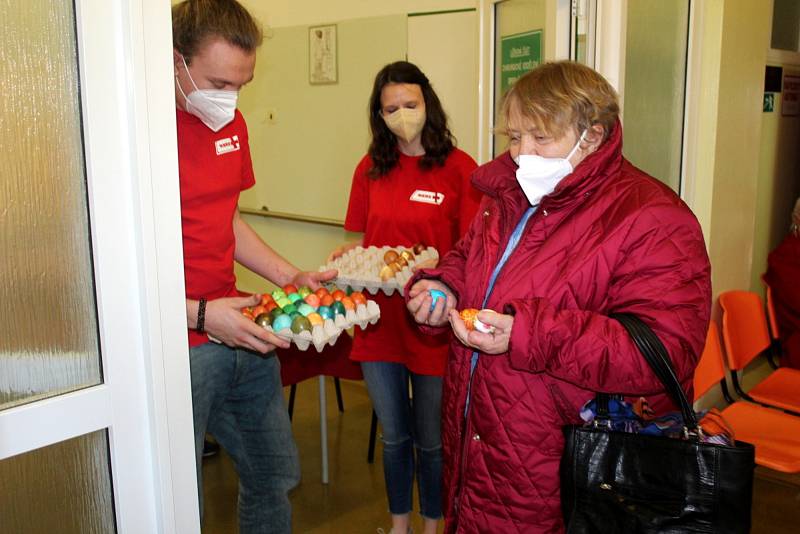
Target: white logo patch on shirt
{"points": [[228, 144], [427, 197]]}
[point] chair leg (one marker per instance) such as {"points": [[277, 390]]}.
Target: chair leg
{"points": [[338, 394], [373, 431], [292, 391]]}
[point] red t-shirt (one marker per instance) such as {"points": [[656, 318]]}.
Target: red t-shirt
{"points": [[214, 168], [407, 206]]}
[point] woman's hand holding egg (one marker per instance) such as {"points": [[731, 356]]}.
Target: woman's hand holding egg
{"points": [[495, 342], [421, 303]]}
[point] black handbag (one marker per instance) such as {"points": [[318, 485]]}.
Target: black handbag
{"points": [[625, 482]]}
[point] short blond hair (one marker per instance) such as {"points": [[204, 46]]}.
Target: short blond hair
{"points": [[561, 95]]}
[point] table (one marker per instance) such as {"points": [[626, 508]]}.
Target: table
{"points": [[298, 365]]}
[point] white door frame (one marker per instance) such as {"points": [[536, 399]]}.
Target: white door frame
{"points": [[556, 46], [124, 50]]}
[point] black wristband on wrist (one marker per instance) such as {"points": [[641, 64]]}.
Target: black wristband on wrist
{"points": [[201, 315]]}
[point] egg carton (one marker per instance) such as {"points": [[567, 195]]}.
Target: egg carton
{"points": [[331, 329], [359, 268]]}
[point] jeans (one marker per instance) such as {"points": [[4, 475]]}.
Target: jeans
{"points": [[237, 396], [411, 435]]}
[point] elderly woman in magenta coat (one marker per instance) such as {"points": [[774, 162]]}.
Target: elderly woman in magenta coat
{"points": [[568, 233]]}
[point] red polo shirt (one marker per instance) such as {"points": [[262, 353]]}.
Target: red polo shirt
{"points": [[407, 206], [214, 168]]}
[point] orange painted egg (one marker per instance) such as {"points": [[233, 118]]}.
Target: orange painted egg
{"points": [[312, 300], [321, 292], [338, 294], [358, 297], [315, 319], [390, 256], [326, 300], [386, 273], [348, 303], [469, 315]]}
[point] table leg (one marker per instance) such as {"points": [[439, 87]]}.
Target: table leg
{"points": [[323, 428]]}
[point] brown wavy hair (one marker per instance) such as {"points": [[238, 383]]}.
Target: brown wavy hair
{"points": [[196, 21], [560, 95], [437, 140]]}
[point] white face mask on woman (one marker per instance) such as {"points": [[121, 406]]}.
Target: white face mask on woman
{"points": [[406, 123], [215, 107], [538, 176]]}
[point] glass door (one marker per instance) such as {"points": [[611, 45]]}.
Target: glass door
{"points": [[84, 416]]}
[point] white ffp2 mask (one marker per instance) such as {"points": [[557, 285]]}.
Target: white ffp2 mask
{"points": [[214, 107], [538, 176]]}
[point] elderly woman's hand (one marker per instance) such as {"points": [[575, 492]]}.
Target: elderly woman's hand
{"points": [[494, 343], [420, 300]]}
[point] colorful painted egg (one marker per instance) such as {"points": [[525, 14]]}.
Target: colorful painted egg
{"points": [[271, 306], [468, 315], [470, 318], [299, 324], [338, 295], [304, 291], [278, 294], [321, 292], [312, 300], [258, 310], [407, 254], [435, 296], [264, 320], [386, 273], [275, 313], [294, 297], [266, 299], [281, 321], [283, 302], [325, 312], [326, 300], [289, 308], [315, 319], [294, 314], [338, 308], [289, 288], [359, 298], [348, 303], [305, 309], [390, 256]]}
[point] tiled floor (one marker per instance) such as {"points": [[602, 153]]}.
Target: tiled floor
{"points": [[354, 501]]}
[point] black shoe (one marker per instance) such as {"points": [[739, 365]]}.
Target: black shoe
{"points": [[210, 448]]}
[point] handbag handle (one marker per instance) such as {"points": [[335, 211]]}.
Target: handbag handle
{"points": [[657, 358]]}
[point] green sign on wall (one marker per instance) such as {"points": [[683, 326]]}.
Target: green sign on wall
{"points": [[519, 53]]}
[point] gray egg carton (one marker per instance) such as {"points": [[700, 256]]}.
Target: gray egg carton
{"points": [[331, 329], [359, 268], [329, 332]]}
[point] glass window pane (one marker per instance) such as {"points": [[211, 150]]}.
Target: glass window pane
{"points": [[48, 331], [519, 48], [655, 85], [583, 31], [64, 488]]}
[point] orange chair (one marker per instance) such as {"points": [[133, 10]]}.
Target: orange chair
{"points": [[775, 348], [775, 434], [744, 330]]}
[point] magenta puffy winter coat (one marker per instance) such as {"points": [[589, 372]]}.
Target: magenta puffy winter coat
{"points": [[609, 239]]}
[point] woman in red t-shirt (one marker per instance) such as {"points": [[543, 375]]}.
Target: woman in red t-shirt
{"points": [[413, 186]]}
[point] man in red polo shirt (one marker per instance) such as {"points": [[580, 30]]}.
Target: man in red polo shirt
{"points": [[236, 388]]}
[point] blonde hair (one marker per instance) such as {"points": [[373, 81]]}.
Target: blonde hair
{"points": [[196, 21], [560, 95]]}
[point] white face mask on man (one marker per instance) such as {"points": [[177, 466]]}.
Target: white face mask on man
{"points": [[538, 176], [214, 107]]}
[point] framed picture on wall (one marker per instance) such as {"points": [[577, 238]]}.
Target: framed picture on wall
{"points": [[322, 55]]}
